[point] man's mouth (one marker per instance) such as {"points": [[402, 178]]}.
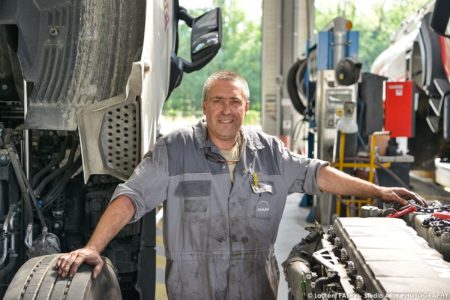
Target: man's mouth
{"points": [[225, 121]]}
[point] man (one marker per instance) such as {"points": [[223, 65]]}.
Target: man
{"points": [[224, 188]]}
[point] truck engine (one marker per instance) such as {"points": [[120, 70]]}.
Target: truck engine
{"points": [[385, 254]]}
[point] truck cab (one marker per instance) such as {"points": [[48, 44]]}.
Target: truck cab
{"points": [[82, 86]]}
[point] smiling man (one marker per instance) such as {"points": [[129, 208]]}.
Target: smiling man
{"points": [[225, 103], [224, 188]]}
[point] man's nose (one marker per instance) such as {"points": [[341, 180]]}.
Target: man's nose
{"points": [[226, 107]]}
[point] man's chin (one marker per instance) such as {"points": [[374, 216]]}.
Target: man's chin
{"points": [[227, 135], [226, 129]]}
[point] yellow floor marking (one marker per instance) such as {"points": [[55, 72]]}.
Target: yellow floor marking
{"points": [[161, 262], [161, 291]]}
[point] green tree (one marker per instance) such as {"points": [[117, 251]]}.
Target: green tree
{"points": [[376, 22]]}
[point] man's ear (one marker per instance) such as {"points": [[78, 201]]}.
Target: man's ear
{"points": [[203, 106]]}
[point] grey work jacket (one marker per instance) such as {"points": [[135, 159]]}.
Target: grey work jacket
{"points": [[219, 236]]}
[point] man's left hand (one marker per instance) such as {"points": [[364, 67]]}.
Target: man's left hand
{"points": [[400, 195]]}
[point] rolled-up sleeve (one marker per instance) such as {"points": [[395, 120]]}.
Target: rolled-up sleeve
{"points": [[147, 186], [301, 173]]}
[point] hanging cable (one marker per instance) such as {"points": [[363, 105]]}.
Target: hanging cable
{"points": [[57, 172], [54, 194], [25, 187], [62, 152]]}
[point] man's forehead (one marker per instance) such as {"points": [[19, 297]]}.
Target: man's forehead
{"points": [[223, 88], [227, 82], [226, 96]]}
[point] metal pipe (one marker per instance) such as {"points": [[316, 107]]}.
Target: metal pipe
{"points": [[28, 240], [8, 218], [8, 221], [339, 39], [13, 235], [2, 143], [26, 132], [319, 283], [5, 251], [2, 201]]}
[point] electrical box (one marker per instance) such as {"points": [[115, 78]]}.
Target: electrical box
{"points": [[399, 108]]}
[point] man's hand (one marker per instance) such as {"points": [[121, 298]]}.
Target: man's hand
{"points": [[400, 195], [115, 217], [68, 264]]}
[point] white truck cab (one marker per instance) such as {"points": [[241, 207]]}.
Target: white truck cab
{"points": [[82, 87]]}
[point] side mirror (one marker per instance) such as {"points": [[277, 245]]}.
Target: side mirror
{"points": [[206, 39], [440, 19]]}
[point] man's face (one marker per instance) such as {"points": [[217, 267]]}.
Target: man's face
{"points": [[225, 109]]}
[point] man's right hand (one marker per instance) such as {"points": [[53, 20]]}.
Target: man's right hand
{"points": [[118, 213], [68, 263]]}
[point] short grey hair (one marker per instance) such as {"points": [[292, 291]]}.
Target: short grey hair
{"points": [[225, 75]]}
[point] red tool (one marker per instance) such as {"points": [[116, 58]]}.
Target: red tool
{"points": [[405, 211], [444, 215]]}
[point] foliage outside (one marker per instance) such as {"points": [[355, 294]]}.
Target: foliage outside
{"points": [[376, 20]]}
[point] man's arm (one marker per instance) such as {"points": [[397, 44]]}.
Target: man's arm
{"points": [[115, 217], [334, 181]]}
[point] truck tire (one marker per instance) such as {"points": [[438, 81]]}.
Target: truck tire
{"points": [[426, 59], [37, 279], [295, 86]]}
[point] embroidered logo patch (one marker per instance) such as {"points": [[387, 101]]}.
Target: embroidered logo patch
{"points": [[262, 207]]}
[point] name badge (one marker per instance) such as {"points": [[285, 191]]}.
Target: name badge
{"points": [[259, 187], [262, 188]]}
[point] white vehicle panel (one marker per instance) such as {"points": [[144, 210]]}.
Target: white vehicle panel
{"points": [[156, 67]]}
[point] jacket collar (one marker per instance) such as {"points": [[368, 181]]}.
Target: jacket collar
{"points": [[250, 137]]}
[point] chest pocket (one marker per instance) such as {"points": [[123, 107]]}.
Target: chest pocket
{"points": [[195, 195], [262, 204]]}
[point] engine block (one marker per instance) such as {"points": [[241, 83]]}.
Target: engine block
{"points": [[383, 258]]}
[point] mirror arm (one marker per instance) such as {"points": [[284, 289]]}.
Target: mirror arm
{"points": [[189, 67], [183, 15]]}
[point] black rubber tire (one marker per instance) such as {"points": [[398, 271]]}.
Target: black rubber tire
{"points": [[37, 279], [295, 86], [431, 56]]}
